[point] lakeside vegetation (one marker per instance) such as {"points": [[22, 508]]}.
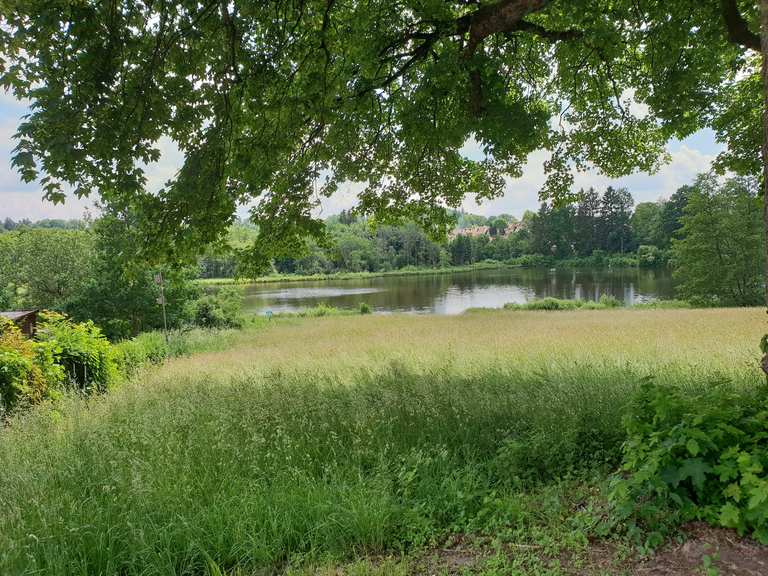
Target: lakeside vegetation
{"points": [[409, 271], [303, 457], [602, 230], [712, 220]]}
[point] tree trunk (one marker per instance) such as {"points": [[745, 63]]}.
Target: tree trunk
{"points": [[764, 150]]}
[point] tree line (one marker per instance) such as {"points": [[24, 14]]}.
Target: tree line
{"points": [[711, 221], [709, 233], [598, 226]]}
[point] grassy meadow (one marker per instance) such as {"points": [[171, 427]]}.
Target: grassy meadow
{"points": [[352, 444]]}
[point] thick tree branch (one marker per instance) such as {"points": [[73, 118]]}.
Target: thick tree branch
{"points": [[503, 16], [554, 35], [738, 30]]}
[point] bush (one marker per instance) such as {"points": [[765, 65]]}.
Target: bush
{"points": [[606, 301], [609, 301], [651, 256], [318, 311], [558, 304], [545, 304], [662, 305], [364, 308], [146, 348], [220, 309], [622, 261], [84, 353], [533, 261], [553, 304], [27, 370], [695, 456]]}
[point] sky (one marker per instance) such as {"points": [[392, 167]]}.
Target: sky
{"points": [[688, 158]]}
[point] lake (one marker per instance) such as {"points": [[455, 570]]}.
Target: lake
{"points": [[453, 293]]}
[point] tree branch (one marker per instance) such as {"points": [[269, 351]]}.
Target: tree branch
{"points": [[504, 16], [489, 19], [738, 30], [553, 35]]}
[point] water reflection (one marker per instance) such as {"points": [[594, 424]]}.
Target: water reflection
{"points": [[453, 293]]}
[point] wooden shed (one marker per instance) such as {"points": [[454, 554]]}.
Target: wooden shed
{"points": [[26, 320]]}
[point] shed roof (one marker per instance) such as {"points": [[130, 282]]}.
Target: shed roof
{"points": [[16, 314]]}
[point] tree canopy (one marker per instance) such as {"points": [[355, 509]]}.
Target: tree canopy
{"points": [[719, 259], [277, 102]]}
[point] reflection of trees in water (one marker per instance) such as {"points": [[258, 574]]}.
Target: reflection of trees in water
{"points": [[628, 285], [428, 292]]}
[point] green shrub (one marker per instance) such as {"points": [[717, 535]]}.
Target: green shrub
{"points": [[364, 308], [318, 311], [662, 305], [27, 370], [609, 301], [621, 261], [220, 309], [695, 456], [321, 309], [554, 304], [532, 261], [84, 353], [651, 256], [550, 304], [146, 348]]}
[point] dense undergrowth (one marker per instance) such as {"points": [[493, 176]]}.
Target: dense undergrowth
{"points": [[258, 471]]}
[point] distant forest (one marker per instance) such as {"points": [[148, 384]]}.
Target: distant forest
{"points": [[600, 228]]}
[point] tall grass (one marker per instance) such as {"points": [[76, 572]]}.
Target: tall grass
{"points": [[208, 464], [251, 471]]}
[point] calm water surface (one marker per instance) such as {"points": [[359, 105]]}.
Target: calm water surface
{"points": [[455, 292]]}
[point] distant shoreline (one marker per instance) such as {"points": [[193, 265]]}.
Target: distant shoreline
{"points": [[614, 261], [355, 275]]}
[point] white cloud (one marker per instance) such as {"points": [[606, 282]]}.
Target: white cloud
{"points": [[521, 194], [345, 198], [19, 205], [165, 169]]}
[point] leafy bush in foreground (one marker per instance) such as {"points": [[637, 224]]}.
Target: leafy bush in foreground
{"points": [[27, 370], [696, 455], [83, 352]]}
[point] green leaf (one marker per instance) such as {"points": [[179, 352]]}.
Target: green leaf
{"points": [[693, 447], [729, 516], [733, 491], [695, 469], [758, 495]]}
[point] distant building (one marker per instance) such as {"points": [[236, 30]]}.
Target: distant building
{"points": [[472, 232], [514, 227], [26, 320], [477, 231]]}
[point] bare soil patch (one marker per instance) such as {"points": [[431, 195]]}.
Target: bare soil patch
{"points": [[728, 553]]}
